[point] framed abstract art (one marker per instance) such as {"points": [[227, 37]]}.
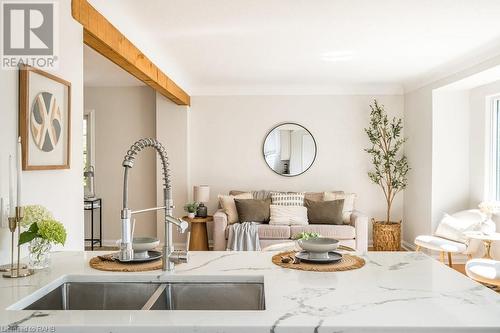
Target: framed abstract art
{"points": [[44, 120]]}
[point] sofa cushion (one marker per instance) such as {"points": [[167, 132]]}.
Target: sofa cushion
{"points": [[267, 231], [288, 215], [349, 202], [252, 210], [287, 198], [229, 207], [325, 212], [325, 230]]}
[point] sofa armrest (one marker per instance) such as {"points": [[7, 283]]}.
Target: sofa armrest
{"points": [[219, 232], [360, 222]]}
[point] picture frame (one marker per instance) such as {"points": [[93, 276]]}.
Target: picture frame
{"points": [[44, 120]]}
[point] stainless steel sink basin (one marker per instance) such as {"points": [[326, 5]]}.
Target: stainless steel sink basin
{"points": [[153, 296]]}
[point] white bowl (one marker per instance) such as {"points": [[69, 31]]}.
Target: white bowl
{"points": [[144, 243], [318, 248]]}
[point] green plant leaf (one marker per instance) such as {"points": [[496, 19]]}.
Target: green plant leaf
{"points": [[27, 236], [33, 228]]}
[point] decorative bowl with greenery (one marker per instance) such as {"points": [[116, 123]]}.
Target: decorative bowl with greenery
{"points": [[191, 208], [307, 235], [43, 231]]}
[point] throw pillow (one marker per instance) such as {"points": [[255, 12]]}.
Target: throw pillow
{"points": [[287, 198], [252, 210], [288, 215], [229, 207], [325, 212], [454, 226], [349, 199]]}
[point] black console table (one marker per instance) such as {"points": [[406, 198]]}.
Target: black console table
{"points": [[91, 204]]}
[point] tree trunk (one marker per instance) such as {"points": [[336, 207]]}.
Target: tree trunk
{"points": [[389, 204]]}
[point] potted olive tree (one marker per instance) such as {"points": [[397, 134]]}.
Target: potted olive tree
{"points": [[390, 168]]}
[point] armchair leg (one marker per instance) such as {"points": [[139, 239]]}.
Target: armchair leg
{"points": [[450, 263], [417, 249], [469, 256], [441, 256]]}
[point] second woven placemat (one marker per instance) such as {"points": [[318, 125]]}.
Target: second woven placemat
{"points": [[348, 262]]}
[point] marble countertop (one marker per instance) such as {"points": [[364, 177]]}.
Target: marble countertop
{"points": [[401, 291]]}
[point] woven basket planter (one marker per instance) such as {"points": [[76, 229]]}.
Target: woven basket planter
{"points": [[386, 236]]}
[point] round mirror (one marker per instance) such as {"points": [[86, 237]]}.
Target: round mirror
{"points": [[289, 149]]}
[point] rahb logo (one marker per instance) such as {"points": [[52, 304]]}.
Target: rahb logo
{"points": [[29, 31]]}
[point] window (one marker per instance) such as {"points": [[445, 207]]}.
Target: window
{"points": [[88, 141], [494, 191]]}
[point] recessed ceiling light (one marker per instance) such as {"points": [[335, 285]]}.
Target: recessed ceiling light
{"points": [[337, 56]]}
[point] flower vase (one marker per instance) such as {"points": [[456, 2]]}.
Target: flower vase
{"points": [[191, 215], [39, 249]]}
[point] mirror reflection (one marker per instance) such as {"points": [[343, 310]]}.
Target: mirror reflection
{"points": [[289, 149]]}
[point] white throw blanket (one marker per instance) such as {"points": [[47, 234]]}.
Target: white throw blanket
{"points": [[243, 237]]}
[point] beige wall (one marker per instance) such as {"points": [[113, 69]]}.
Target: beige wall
{"points": [[123, 115], [227, 132], [172, 127]]}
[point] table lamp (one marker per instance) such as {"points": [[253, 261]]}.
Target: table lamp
{"points": [[201, 195]]}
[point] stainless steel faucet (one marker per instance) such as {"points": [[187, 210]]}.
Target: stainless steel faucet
{"points": [[170, 257]]}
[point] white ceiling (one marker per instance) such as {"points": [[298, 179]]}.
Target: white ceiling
{"points": [[101, 72], [306, 46]]}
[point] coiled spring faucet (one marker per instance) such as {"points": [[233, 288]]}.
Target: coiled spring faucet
{"points": [[170, 257]]}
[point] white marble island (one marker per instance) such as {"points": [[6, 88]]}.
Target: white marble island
{"points": [[393, 292]]}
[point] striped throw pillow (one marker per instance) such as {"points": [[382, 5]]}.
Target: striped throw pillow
{"points": [[287, 198]]}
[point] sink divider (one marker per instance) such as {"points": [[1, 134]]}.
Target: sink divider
{"points": [[154, 297]]}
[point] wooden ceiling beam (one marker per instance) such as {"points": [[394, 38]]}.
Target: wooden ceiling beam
{"points": [[102, 36]]}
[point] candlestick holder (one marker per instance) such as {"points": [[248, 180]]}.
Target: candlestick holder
{"points": [[18, 270]]}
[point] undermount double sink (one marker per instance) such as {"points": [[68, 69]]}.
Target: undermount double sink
{"points": [[172, 295]]}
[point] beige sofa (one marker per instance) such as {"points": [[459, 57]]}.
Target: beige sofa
{"points": [[353, 233]]}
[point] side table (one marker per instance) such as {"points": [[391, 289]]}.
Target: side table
{"points": [[487, 240], [199, 236]]}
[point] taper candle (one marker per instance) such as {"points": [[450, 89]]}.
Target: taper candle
{"points": [[12, 210], [19, 172]]}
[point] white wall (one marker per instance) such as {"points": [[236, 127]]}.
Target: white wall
{"points": [[450, 153], [60, 191], [172, 130], [418, 115], [123, 115], [227, 133], [480, 111]]}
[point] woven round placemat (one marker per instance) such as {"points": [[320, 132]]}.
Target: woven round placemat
{"points": [[106, 263], [347, 262]]}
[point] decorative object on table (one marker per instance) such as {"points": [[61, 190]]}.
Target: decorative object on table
{"points": [[91, 205], [148, 256], [289, 149], [191, 208], [43, 232], [319, 247], [201, 195], [143, 245], [88, 174], [489, 208], [390, 172], [307, 235], [16, 216], [109, 263], [311, 257], [198, 238], [44, 119], [348, 262]]}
